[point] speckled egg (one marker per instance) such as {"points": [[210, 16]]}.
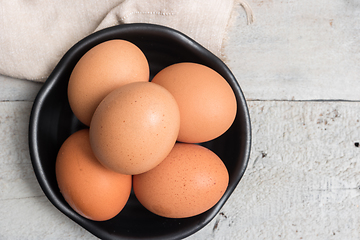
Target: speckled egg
{"points": [[206, 101], [135, 127], [103, 68], [92, 190], [191, 180]]}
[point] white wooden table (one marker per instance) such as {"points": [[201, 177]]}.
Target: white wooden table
{"points": [[299, 68]]}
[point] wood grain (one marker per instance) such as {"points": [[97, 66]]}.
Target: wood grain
{"points": [[302, 179], [297, 50]]}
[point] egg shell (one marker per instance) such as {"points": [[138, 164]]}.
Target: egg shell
{"points": [[206, 101], [92, 190], [103, 68], [135, 127], [191, 180]]}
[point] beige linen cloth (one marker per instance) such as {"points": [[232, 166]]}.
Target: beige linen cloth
{"points": [[35, 34]]}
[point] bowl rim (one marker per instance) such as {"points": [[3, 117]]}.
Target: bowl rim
{"points": [[52, 79]]}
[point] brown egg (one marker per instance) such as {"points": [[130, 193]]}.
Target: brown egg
{"points": [[103, 68], [135, 127], [88, 187], [206, 101], [191, 180]]}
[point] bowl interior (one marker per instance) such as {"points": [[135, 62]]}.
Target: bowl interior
{"points": [[52, 121]]}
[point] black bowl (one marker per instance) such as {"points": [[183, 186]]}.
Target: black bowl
{"points": [[52, 121]]}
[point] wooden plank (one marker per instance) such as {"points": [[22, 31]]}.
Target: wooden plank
{"points": [[17, 176], [25, 211], [36, 218], [13, 89], [302, 179], [297, 50]]}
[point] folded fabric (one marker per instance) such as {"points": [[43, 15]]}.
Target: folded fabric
{"points": [[34, 35]]}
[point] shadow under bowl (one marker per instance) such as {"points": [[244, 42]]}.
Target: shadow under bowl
{"points": [[52, 121]]}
